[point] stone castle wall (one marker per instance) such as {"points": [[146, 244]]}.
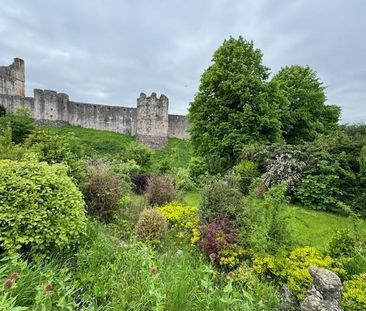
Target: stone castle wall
{"points": [[12, 78], [150, 121]]}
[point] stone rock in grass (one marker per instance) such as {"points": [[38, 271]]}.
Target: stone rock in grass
{"points": [[325, 293]]}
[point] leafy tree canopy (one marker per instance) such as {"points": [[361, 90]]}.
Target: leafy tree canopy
{"points": [[235, 105], [304, 114]]}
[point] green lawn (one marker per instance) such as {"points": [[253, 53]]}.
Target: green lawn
{"points": [[316, 228], [309, 227]]}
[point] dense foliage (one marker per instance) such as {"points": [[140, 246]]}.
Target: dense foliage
{"points": [[151, 225], [235, 105], [21, 125], [304, 113], [102, 191], [140, 182], [41, 209], [354, 293], [160, 190], [219, 197]]}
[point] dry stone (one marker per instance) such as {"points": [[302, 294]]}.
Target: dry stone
{"points": [[325, 292]]}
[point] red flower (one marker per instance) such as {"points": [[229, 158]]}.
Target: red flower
{"points": [[14, 275], [8, 283], [48, 287], [153, 270]]}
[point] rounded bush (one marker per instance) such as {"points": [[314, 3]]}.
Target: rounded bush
{"points": [[160, 190], [41, 210], [219, 197], [151, 225], [102, 191], [140, 182]]}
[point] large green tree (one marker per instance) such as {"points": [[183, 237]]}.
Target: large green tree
{"points": [[235, 105], [304, 114]]}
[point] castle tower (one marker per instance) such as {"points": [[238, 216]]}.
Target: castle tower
{"points": [[12, 78], [152, 120]]}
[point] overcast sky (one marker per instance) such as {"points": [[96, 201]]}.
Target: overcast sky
{"points": [[109, 51]]}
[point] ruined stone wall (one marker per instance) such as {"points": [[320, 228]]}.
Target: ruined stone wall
{"points": [[150, 121], [52, 106], [178, 126], [12, 103], [111, 118], [12, 78]]}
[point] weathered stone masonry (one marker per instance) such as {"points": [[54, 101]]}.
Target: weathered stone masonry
{"points": [[150, 121]]}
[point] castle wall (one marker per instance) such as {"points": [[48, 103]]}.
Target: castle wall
{"points": [[150, 121], [178, 126], [110, 118], [12, 78], [12, 103]]}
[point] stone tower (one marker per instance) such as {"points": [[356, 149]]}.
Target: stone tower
{"points": [[12, 78], [152, 120]]}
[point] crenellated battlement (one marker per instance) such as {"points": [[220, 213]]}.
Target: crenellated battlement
{"points": [[149, 121], [152, 119]]}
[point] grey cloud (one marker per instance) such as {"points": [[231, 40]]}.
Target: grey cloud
{"points": [[109, 51]]}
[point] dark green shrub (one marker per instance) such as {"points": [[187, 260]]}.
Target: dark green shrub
{"points": [[151, 225], [198, 169], [246, 172], [182, 180], [2, 111], [343, 243], [102, 191], [41, 209], [139, 153], [160, 190], [8, 149], [140, 182], [362, 160], [53, 148], [320, 187], [164, 166], [219, 197], [21, 123], [265, 224]]}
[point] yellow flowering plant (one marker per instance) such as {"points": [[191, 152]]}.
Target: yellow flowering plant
{"points": [[183, 220], [294, 269]]}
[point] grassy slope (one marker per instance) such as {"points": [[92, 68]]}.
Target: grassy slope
{"points": [[312, 228], [109, 144], [101, 143], [179, 151]]}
